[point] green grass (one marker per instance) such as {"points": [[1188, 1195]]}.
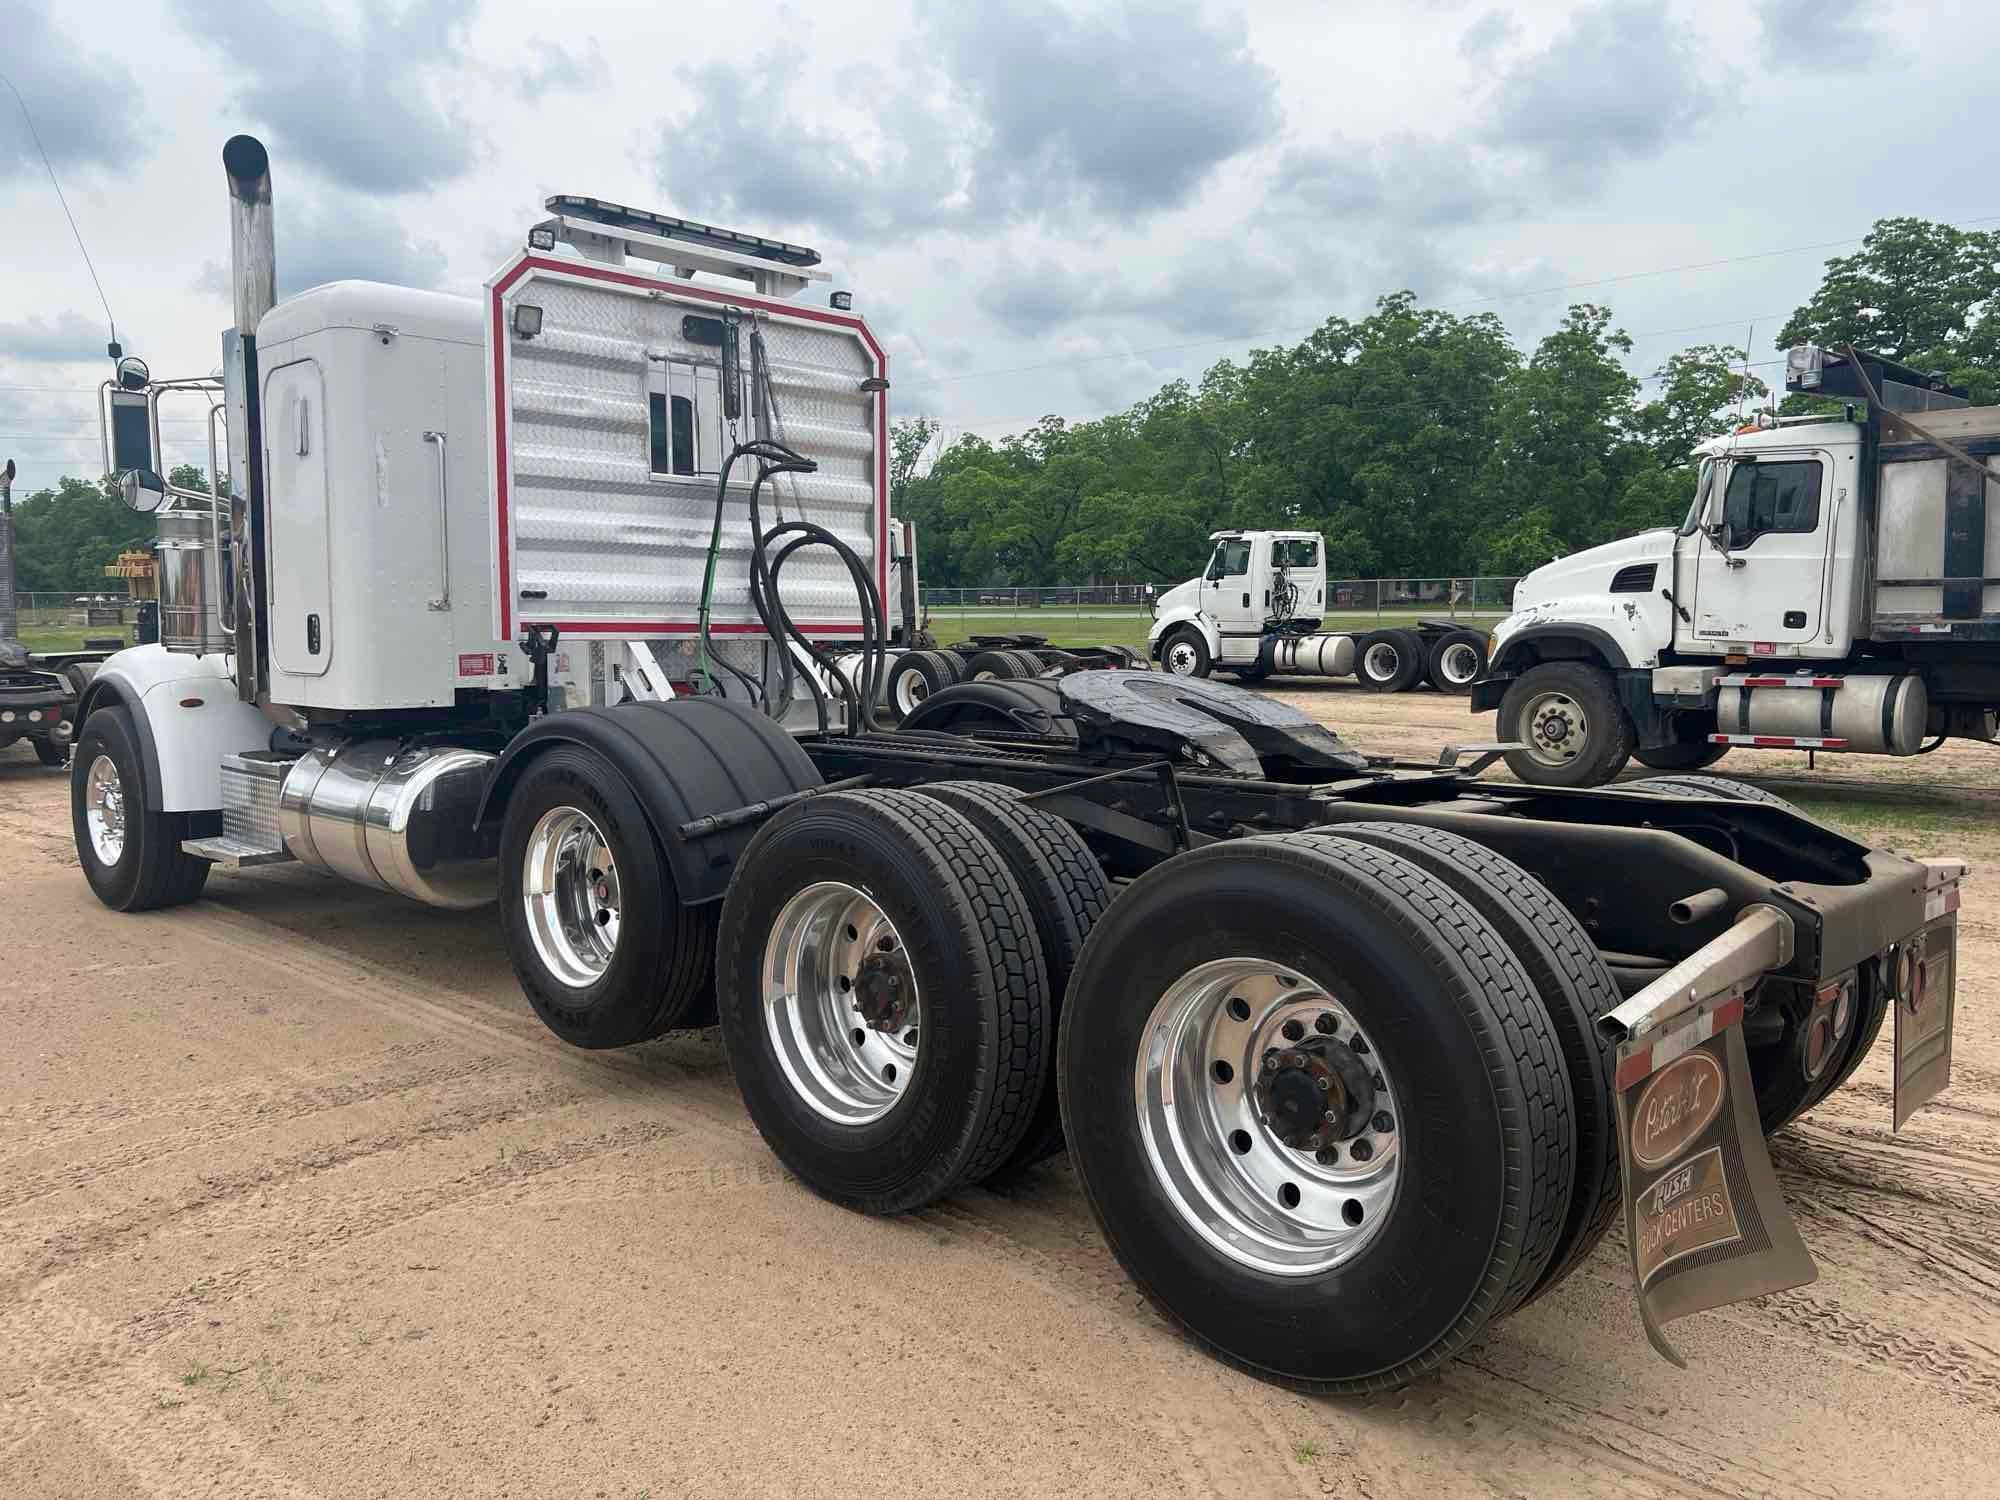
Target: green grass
{"points": [[68, 640], [1098, 626], [1870, 822]]}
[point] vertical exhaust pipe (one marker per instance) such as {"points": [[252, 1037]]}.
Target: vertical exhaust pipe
{"points": [[253, 279], [253, 248]]}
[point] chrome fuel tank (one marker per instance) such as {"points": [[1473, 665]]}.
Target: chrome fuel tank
{"points": [[396, 817]]}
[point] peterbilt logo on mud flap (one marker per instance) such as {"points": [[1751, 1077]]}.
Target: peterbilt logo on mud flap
{"points": [[1676, 1105]]}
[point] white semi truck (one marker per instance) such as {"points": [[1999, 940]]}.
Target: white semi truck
{"points": [[1256, 610], [526, 599], [1835, 586]]}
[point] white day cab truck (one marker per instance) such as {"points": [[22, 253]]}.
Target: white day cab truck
{"points": [[1255, 611], [529, 600], [1835, 586]]}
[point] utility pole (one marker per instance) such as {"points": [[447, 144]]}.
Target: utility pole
{"points": [[10, 615]]}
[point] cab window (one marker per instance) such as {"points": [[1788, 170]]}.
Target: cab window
{"points": [[1296, 552], [1767, 497], [1231, 559]]}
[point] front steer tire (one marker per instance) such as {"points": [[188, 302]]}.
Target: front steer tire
{"points": [[1475, 1066], [660, 975], [151, 870], [953, 910], [1588, 737]]}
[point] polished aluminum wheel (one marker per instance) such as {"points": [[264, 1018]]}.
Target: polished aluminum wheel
{"points": [[570, 888], [840, 1003], [1268, 1117], [104, 810], [1555, 728], [1458, 663], [1182, 659]]}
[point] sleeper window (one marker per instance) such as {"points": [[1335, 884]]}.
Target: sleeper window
{"points": [[684, 419]]}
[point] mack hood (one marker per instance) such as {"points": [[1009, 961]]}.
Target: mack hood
{"points": [[1598, 570]]}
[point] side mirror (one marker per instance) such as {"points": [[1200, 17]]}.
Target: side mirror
{"points": [[142, 490]]}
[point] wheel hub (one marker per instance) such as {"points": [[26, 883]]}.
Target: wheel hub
{"points": [[1556, 727], [104, 810], [885, 991], [1316, 1094]]}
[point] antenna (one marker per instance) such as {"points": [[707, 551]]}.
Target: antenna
{"points": [[35, 135]]}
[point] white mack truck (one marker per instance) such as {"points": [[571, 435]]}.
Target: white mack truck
{"points": [[1835, 586], [1255, 611], [529, 599]]}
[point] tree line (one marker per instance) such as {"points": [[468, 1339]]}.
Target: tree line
{"points": [[1422, 443]]}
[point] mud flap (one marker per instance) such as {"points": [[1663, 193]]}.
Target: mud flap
{"points": [[1927, 969], [1704, 1217]]}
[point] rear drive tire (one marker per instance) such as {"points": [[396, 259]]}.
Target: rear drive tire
{"points": [[1389, 661], [1440, 1226], [843, 909], [130, 852], [1689, 755], [51, 754], [1457, 660], [1184, 653], [1717, 786], [1066, 893], [1575, 988], [914, 677], [990, 666], [576, 856], [1569, 719]]}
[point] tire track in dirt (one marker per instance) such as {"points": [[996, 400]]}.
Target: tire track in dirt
{"points": [[70, 1350], [84, 1241], [1059, 1258], [258, 1109]]}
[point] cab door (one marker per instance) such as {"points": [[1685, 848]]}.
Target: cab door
{"points": [[301, 549], [1760, 572], [1229, 598]]}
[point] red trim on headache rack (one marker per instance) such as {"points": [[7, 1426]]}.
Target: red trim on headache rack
{"points": [[591, 272]]}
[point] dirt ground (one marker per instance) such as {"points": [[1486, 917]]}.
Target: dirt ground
{"points": [[298, 1198]]}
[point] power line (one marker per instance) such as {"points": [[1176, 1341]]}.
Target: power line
{"points": [[49, 167]]}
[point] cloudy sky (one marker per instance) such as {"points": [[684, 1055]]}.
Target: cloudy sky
{"points": [[1043, 205]]}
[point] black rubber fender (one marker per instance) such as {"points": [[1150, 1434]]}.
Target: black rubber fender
{"points": [[683, 759], [998, 705]]}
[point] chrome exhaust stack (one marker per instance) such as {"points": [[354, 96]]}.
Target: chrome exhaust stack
{"points": [[253, 245], [253, 279]]}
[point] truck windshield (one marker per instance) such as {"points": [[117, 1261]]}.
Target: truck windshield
{"points": [[1700, 497]]}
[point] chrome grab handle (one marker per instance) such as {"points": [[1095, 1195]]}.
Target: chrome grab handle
{"points": [[225, 588], [443, 600]]}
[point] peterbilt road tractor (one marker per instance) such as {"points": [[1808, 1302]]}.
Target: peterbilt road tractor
{"points": [[1835, 586], [1255, 612], [549, 600]]}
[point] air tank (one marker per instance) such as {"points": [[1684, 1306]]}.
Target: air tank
{"points": [[1875, 715], [1314, 655]]}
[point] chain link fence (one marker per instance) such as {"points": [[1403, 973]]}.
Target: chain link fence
{"points": [[1349, 602]]}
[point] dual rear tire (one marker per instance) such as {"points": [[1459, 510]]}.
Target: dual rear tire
{"points": [[888, 997]]}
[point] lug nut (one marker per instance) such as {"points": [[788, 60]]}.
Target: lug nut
{"points": [[1327, 1156], [1359, 1044], [1377, 1080], [1293, 1031], [1270, 1061], [1362, 1150], [1383, 1122], [1325, 1024], [1322, 1084], [1331, 1118]]}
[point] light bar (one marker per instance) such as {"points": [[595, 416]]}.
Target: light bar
{"points": [[615, 216]]}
